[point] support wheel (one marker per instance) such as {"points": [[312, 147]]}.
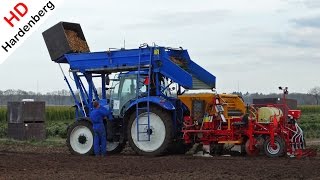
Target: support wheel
{"points": [[160, 132], [277, 150], [254, 152]]}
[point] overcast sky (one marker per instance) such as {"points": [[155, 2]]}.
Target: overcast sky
{"points": [[248, 45]]}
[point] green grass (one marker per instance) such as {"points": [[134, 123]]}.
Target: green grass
{"points": [[53, 113], [60, 113], [306, 109], [3, 112], [58, 118], [310, 121]]}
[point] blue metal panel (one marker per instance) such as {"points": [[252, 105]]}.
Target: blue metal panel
{"points": [[173, 71], [109, 59], [120, 60], [193, 68], [201, 74], [155, 100]]}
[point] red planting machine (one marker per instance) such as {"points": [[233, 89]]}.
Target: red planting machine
{"points": [[223, 121]]}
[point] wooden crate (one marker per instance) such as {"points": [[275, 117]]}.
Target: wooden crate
{"points": [[26, 112], [27, 131]]}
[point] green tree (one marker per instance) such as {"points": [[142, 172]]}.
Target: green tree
{"points": [[315, 92]]}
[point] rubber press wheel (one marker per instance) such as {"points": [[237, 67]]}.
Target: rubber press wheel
{"points": [[277, 150], [80, 138], [160, 132]]}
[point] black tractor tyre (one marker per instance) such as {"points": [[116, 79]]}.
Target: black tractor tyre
{"points": [[78, 145], [110, 131], [165, 117], [270, 151]]}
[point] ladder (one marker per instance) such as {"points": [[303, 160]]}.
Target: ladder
{"points": [[143, 128]]}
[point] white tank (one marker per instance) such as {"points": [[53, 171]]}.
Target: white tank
{"points": [[266, 114]]}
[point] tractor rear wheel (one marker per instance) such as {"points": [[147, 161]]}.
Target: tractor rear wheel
{"points": [[277, 150], [160, 132]]}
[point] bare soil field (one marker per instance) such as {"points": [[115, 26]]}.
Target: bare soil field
{"points": [[32, 162]]}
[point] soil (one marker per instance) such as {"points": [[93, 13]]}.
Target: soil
{"points": [[178, 61], [29, 162], [76, 43]]}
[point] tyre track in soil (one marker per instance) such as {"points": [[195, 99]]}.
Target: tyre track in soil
{"points": [[27, 162]]}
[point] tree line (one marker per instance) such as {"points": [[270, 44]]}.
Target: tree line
{"points": [[64, 97]]}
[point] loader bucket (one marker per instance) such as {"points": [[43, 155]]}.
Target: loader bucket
{"points": [[64, 38]]}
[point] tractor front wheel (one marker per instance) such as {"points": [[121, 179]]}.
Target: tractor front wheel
{"points": [[80, 138]]}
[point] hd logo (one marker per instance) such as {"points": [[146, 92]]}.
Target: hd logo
{"points": [[20, 20]]}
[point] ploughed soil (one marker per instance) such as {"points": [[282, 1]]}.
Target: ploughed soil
{"points": [[30, 162]]}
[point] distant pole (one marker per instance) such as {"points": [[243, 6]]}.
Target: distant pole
{"points": [[124, 43], [238, 87], [37, 87]]}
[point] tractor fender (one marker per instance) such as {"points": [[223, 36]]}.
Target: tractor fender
{"points": [[80, 119], [154, 100]]}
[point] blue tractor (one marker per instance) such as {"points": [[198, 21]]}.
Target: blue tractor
{"points": [[140, 87]]}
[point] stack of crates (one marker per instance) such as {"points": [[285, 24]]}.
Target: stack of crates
{"points": [[26, 120]]}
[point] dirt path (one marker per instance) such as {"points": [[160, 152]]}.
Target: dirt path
{"points": [[27, 162]]}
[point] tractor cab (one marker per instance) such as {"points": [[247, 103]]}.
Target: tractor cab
{"points": [[124, 89], [128, 86]]}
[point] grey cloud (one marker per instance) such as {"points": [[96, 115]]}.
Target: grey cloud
{"points": [[308, 21], [296, 42], [182, 19], [303, 33], [312, 3]]}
